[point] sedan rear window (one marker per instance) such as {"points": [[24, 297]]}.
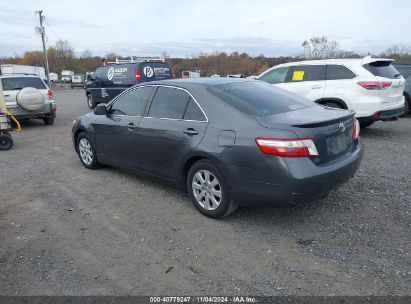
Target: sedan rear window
{"points": [[18, 83], [382, 69], [259, 98]]}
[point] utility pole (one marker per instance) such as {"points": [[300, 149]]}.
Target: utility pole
{"points": [[42, 32]]}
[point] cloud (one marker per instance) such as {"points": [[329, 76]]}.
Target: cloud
{"points": [[254, 46], [71, 23], [190, 27], [16, 16], [24, 17]]}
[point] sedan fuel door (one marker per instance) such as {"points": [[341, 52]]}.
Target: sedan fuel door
{"points": [[116, 134], [175, 124]]}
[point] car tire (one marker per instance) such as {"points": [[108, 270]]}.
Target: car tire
{"points": [[6, 141], [366, 124], [49, 120], [333, 105], [86, 151], [90, 102], [209, 191]]}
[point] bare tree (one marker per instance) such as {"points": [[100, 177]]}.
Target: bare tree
{"points": [[62, 56], [399, 50], [320, 48], [86, 54], [165, 55], [400, 53], [112, 56], [64, 49]]}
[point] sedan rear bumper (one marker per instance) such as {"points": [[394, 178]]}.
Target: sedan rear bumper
{"points": [[305, 181]]}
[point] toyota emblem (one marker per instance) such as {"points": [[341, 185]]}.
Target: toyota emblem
{"points": [[341, 127]]}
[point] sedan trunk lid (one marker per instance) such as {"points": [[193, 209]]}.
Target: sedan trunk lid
{"points": [[331, 129]]}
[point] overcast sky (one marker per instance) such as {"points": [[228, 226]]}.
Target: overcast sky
{"points": [[188, 27]]}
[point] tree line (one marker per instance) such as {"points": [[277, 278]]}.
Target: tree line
{"points": [[62, 56]]}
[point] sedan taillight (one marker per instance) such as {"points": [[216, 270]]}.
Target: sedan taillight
{"points": [[304, 147], [356, 130]]}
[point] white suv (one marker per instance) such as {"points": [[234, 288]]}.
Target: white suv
{"points": [[28, 96], [372, 87]]}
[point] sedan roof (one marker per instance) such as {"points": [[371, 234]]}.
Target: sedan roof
{"points": [[205, 81]]}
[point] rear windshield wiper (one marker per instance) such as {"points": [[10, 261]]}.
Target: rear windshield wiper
{"points": [[396, 75]]}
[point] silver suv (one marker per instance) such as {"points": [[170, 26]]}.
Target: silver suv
{"points": [[28, 96]]}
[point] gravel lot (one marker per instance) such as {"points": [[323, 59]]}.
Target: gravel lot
{"points": [[66, 230]]}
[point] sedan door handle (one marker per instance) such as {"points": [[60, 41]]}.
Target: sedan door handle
{"points": [[190, 131], [316, 87], [131, 126]]}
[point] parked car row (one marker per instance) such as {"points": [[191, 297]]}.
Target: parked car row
{"points": [[69, 77]]}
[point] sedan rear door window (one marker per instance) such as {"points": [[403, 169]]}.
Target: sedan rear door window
{"points": [[193, 112], [131, 103], [169, 103]]}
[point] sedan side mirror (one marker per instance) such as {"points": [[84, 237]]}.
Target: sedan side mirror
{"points": [[100, 110]]}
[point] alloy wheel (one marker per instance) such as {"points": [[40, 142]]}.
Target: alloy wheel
{"points": [[206, 189], [86, 153]]}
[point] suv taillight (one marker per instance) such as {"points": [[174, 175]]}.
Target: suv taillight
{"points": [[304, 147], [138, 75], [50, 94], [356, 130], [374, 85]]}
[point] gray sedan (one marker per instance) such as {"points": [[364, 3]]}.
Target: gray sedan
{"points": [[225, 141]]}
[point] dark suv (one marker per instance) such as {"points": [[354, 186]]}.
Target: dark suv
{"points": [[109, 81], [405, 70]]}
